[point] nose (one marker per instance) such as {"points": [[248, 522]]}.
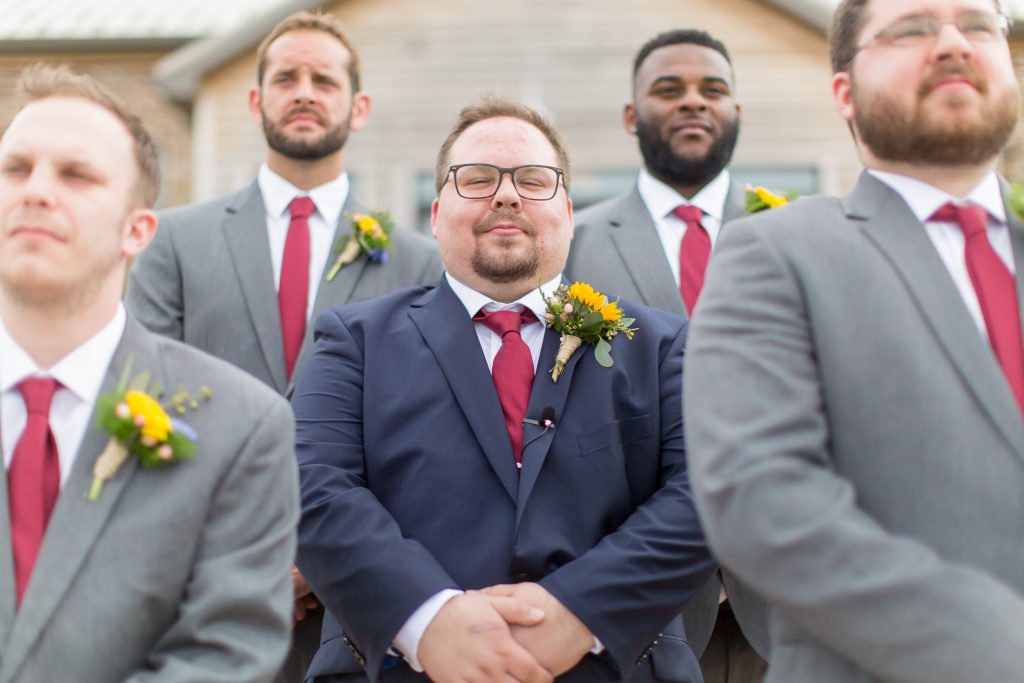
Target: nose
{"points": [[304, 91], [506, 195], [693, 100], [951, 43], [40, 187]]}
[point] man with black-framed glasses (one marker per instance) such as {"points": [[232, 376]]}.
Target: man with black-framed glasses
{"points": [[858, 442], [467, 516]]}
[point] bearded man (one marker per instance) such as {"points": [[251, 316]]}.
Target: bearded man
{"points": [[856, 373], [652, 244], [241, 276]]}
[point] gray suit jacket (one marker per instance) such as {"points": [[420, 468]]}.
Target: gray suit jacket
{"points": [[857, 454], [176, 574], [616, 249], [207, 280]]}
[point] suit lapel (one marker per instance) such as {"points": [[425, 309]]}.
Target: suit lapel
{"points": [[545, 393], [448, 330], [636, 238], [77, 521], [244, 229], [339, 290], [734, 204], [891, 225], [7, 609]]}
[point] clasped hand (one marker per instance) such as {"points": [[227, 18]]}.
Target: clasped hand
{"points": [[505, 633]]}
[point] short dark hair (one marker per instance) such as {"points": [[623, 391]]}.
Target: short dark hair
{"points": [[847, 22], [491, 107], [308, 21], [40, 81], [679, 36]]}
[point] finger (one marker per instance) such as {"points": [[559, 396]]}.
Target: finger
{"points": [[515, 611], [504, 589], [524, 667]]}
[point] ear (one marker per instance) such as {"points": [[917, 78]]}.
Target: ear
{"points": [[629, 119], [139, 229], [433, 218], [361, 106], [572, 224], [842, 94], [254, 106]]}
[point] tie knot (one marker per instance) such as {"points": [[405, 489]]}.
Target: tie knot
{"points": [[505, 321], [688, 213], [302, 207], [38, 393], [971, 218]]}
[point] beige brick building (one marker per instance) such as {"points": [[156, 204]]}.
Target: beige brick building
{"points": [[422, 61]]}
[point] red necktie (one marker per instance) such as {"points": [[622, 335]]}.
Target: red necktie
{"points": [[293, 292], [33, 479], [693, 255], [997, 292], [512, 370]]}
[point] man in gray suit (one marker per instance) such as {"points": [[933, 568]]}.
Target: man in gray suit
{"points": [[636, 246], [243, 276], [171, 571], [858, 443]]}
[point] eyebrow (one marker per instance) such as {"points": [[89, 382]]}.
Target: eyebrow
{"points": [[677, 79]]}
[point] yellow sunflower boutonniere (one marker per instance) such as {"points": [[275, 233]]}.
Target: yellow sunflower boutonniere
{"points": [[759, 199], [140, 426], [581, 314], [371, 235]]}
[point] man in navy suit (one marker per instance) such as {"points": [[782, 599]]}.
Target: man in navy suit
{"points": [[449, 534]]}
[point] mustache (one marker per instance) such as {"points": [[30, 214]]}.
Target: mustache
{"points": [[504, 217], [966, 71]]}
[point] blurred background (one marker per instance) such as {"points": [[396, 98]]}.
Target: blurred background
{"points": [[186, 66]]}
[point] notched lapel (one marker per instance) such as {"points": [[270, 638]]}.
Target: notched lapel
{"points": [[77, 521], [244, 228], [636, 239], [448, 330], [888, 222], [545, 393], [7, 600]]}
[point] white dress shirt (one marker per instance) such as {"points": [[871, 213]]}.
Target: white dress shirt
{"points": [[924, 200], [80, 374], [328, 198], [408, 638], [661, 200]]}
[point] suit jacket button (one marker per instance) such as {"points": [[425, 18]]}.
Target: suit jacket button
{"points": [[523, 577]]}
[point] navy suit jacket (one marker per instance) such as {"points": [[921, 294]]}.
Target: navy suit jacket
{"points": [[409, 484]]}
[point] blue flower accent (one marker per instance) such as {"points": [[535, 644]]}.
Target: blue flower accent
{"points": [[378, 256], [184, 429]]}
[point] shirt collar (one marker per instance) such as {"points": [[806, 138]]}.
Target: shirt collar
{"points": [[533, 300], [278, 193], [81, 371], [924, 199], [662, 199]]}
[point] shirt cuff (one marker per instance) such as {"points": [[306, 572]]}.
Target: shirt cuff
{"points": [[408, 639], [598, 646]]}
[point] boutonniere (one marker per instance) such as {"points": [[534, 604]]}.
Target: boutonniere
{"points": [[1015, 199], [581, 314], [371, 235], [760, 198], [139, 426]]}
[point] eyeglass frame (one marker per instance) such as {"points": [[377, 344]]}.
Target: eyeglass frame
{"points": [[1003, 23], [511, 171]]}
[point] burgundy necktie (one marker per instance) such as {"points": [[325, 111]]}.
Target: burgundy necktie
{"points": [[293, 292], [997, 292], [33, 479], [693, 254], [512, 370]]}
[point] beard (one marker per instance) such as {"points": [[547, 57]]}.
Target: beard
{"points": [[665, 164], [939, 133], [499, 261], [324, 145]]}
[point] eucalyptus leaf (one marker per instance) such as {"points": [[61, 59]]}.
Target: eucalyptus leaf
{"points": [[603, 353], [593, 318]]}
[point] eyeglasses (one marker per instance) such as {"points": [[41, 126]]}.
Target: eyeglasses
{"points": [[480, 181], [918, 31]]}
